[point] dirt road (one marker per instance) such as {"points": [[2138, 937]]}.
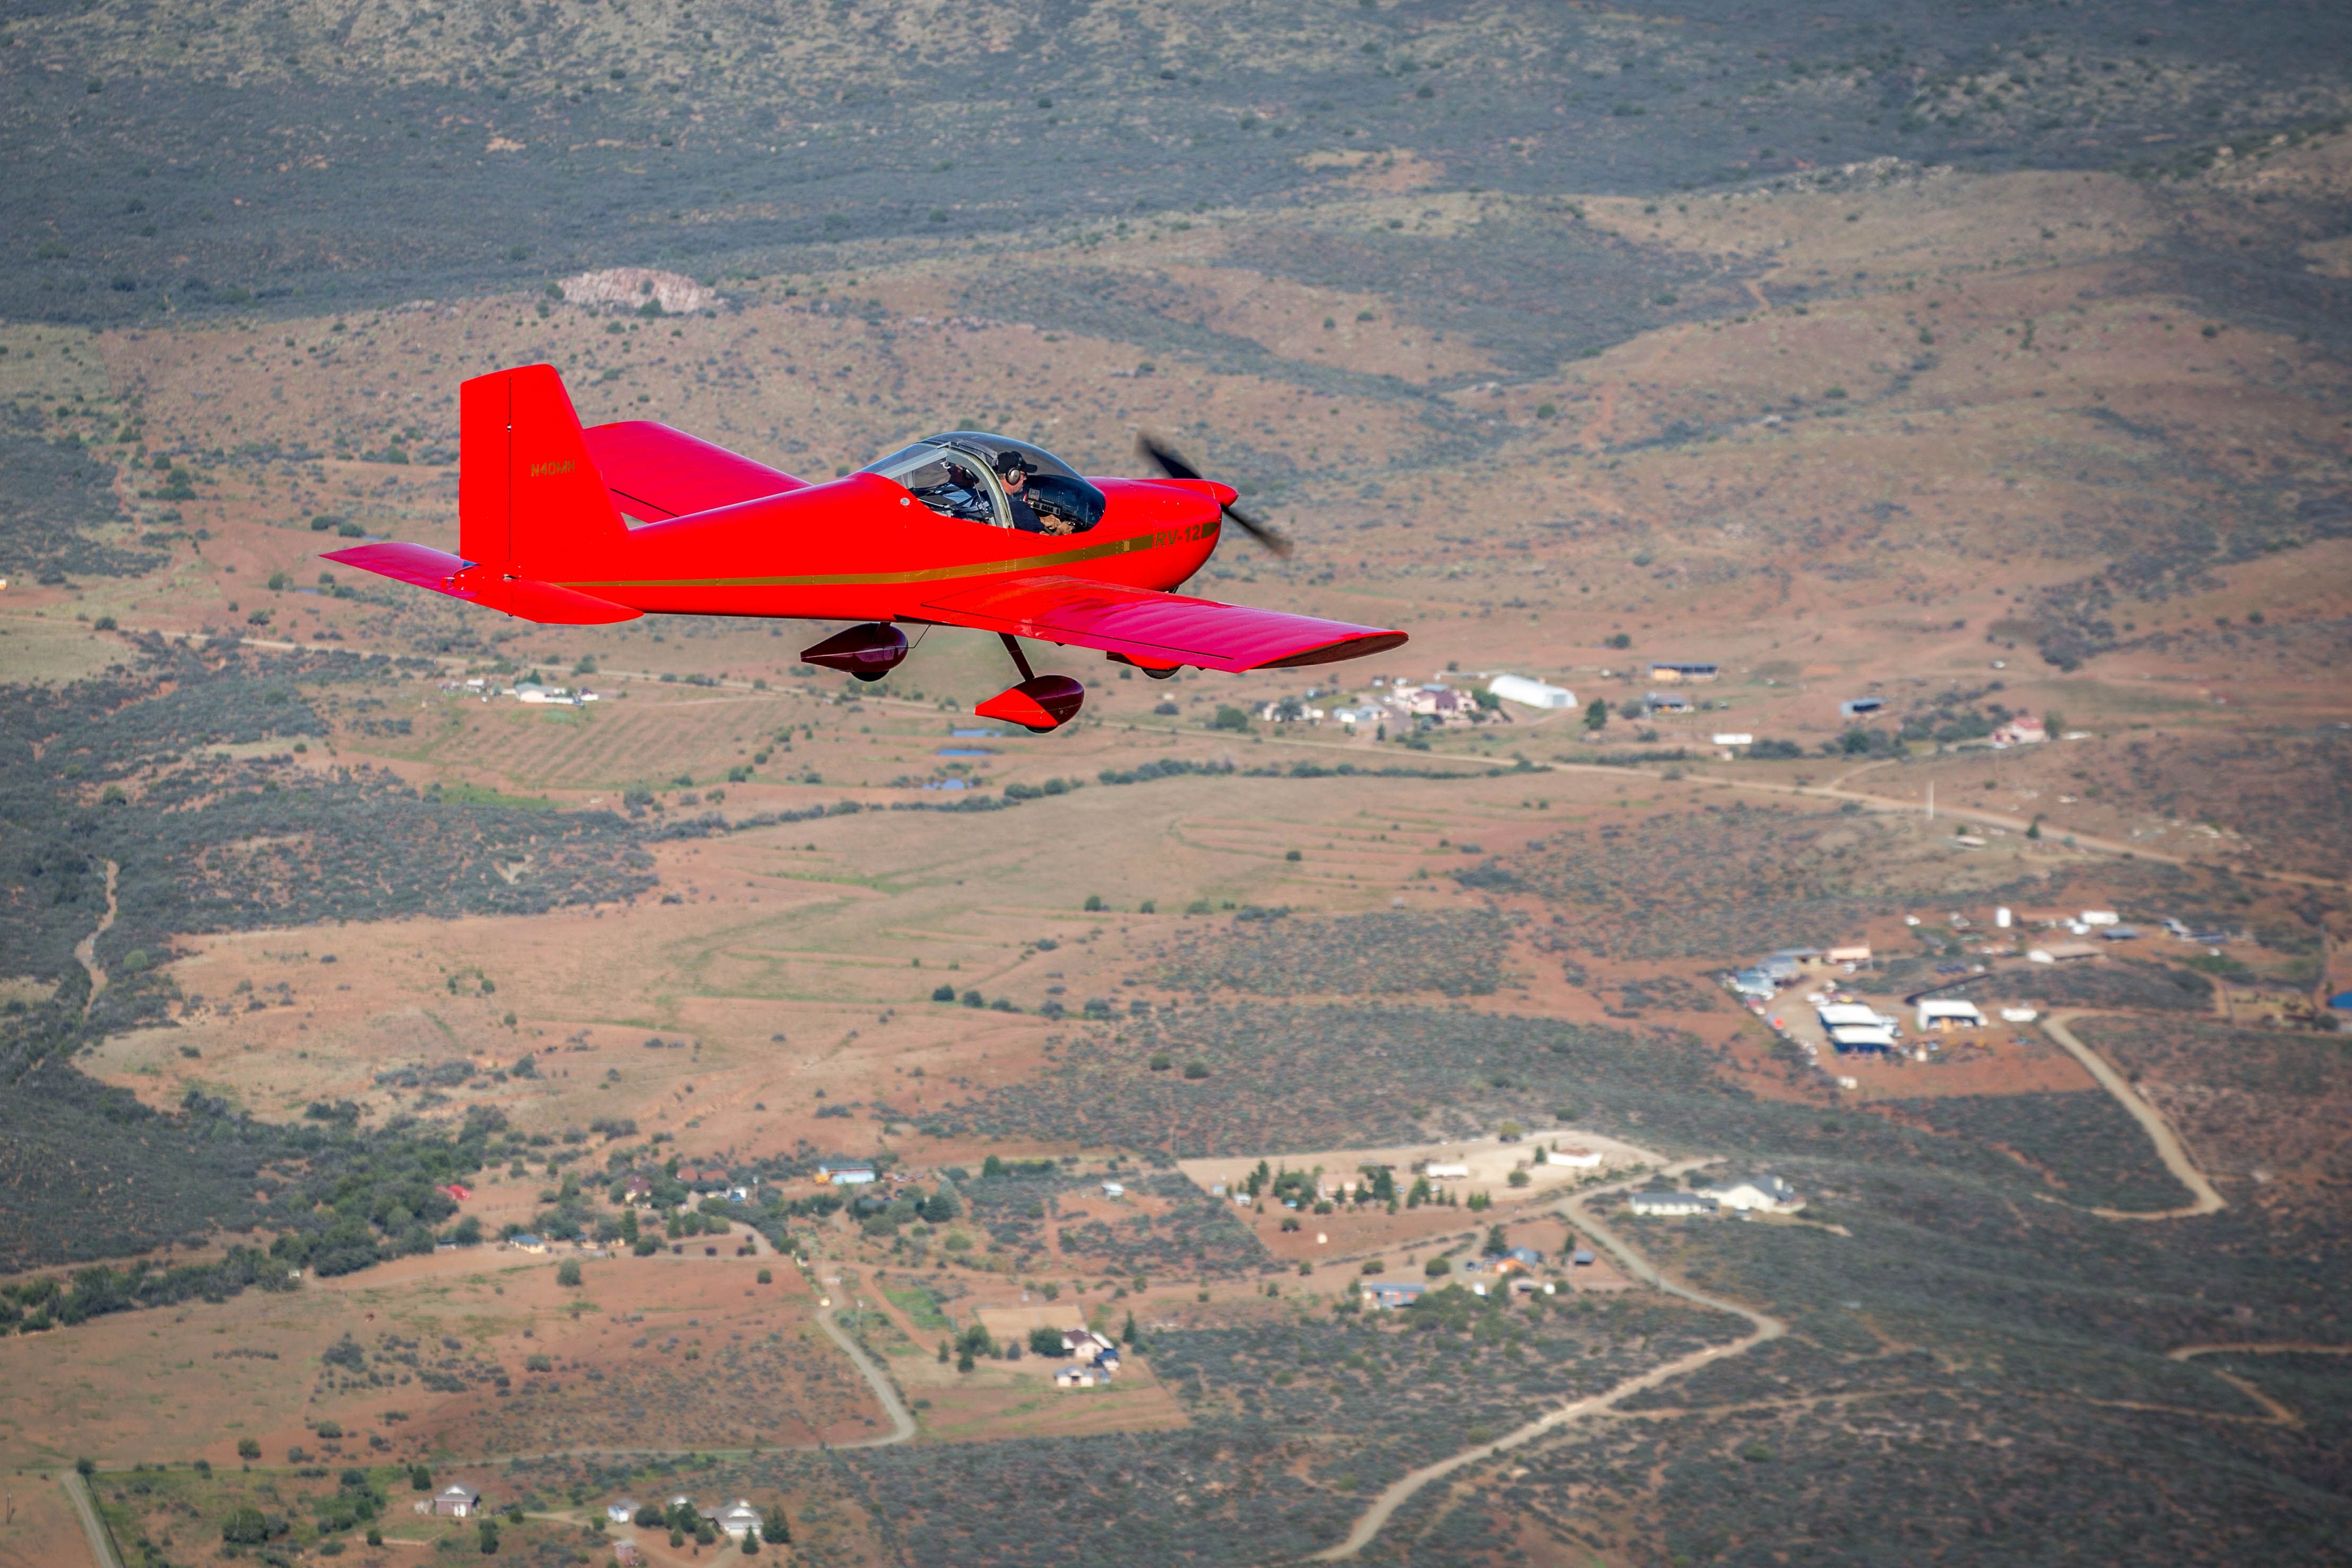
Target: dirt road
{"points": [[101, 1542], [1764, 1326], [86, 950], [902, 1421], [2159, 1131]]}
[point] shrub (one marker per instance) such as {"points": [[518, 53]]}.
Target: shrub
{"points": [[1196, 1069], [246, 1526], [568, 1272]]}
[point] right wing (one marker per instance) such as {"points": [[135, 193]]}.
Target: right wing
{"points": [[655, 473], [1153, 628]]}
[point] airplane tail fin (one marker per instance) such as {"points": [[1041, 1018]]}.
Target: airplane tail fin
{"points": [[531, 503]]}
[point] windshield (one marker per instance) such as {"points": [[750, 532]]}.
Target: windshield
{"points": [[994, 479]]}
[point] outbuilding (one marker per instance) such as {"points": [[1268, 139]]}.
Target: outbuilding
{"points": [[1669, 673], [1938, 1015], [1866, 1040], [1530, 693]]}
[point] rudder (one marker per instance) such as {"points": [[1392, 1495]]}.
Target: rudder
{"points": [[530, 500]]}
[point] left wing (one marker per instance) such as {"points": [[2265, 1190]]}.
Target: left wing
{"points": [[1156, 628]]}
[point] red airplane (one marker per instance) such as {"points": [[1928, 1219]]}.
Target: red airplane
{"points": [[961, 529]]}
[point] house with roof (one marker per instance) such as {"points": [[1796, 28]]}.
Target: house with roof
{"points": [[456, 1500], [1667, 675], [1671, 1203], [1754, 984], [1757, 1194], [2024, 730], [1666, 702], [620, 1511], [637, 1189], [1862, 1039], [524, 1241], [1080, 1374], [1520, 1258], [737, 1520], [1393, 1295], [845, 1175]]}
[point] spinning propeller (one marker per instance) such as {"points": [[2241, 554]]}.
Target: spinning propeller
{"points": [[1175, 468]]}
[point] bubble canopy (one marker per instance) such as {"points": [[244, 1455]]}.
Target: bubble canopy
{"points": [[995, 481]]}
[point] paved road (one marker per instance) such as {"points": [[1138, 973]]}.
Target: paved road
{"points": [[102, 1545], [2159, 1131], [1765, 1327]]}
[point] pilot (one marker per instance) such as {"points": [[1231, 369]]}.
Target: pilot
{"points": [[1013, 472]]}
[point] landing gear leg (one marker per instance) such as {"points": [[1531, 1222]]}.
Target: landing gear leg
{"points": [[1040, 703]]}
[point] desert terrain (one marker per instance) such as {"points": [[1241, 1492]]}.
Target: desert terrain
{"points": [[1920, 450]]}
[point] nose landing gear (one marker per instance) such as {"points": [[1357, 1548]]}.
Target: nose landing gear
{"points": [[1040, 704]]}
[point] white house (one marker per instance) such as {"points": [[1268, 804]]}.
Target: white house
{"points": [[1758, 1195], [456, 1500], [1530, 693], [845, 1175], [1670, 1202], [2023, 731], [1938, 1015], [1080, 1376], [1868, 1037], [1842, 1015], [1439, 1170], [1112, 1189], [620, 1511], [738, 1519]]}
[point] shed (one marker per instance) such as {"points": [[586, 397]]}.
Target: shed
{"points": [[1733, 738], [1437, 1170], [1667, 701], [1530, 693], [1869, 1040], [1939, 1014], [1113, 1189], [2062, 952], [1391, 1295], [1669, 673], [620, 1511], [1840, 1015], [1854, 708], [845, 1175]]}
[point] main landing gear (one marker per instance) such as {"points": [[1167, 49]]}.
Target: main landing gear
{"points": [[1040, 703]]}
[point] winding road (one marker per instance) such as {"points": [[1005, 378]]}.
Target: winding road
{"points": [[1764, 1328], [2160, 1132], [86, 950], [902, 1421]]}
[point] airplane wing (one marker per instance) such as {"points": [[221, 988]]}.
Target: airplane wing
{"points": [[1155, 628], [655, 473]]}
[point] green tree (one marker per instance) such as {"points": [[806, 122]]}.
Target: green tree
{"points": [[750, 1544], [245, 1526], [568, 1272], [1045, 1341], [1495, 1245], [419, 1478], [486, 1533], [774, 1528], [1127, 1332], [1596, 713], [249, 1449]]}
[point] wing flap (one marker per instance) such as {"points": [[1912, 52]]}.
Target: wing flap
{"points": [[1158, 628], [655, 473]]}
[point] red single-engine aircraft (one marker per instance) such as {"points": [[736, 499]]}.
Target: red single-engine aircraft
{"points": [[962, 529]]}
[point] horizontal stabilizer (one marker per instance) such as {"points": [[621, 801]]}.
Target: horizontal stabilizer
{"points": [[522, 596]]}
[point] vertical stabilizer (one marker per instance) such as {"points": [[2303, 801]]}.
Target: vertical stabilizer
{"points": [[529, 501]]}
